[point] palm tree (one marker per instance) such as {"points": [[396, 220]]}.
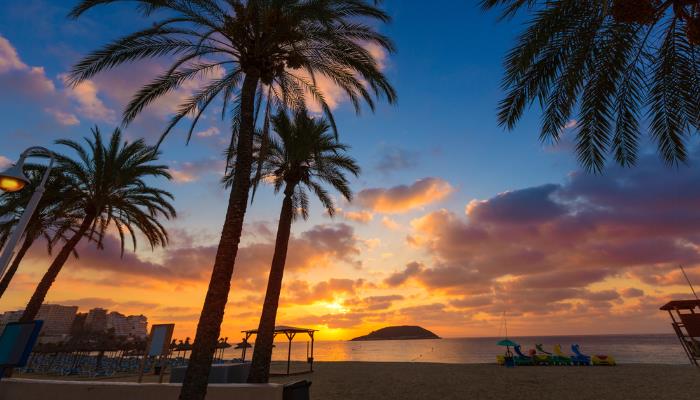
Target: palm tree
{"points": [[305, 157], [253, 55], [619, 65], [52, 220], [108, 184]]}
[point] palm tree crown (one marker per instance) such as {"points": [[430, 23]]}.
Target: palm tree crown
{"points": [[620, 65], [107, 181], [306, 157], [285, 44]]}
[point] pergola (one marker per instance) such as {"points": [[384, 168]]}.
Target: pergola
{"points": [[686, 324], [289, 332]]}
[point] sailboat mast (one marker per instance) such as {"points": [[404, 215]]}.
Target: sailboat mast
{"points": [[689, 284]]}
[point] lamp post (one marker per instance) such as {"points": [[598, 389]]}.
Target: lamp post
{"points": [[13, 180]]}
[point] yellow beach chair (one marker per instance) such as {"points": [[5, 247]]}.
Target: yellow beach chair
{"points": [[560, 357], [603, 360]]}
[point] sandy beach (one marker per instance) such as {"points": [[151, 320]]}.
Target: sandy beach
{"points": [[374, 381], [408, 381]]}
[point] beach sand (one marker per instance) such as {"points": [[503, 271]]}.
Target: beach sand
{"points": [[424, 381], [408, 381]]}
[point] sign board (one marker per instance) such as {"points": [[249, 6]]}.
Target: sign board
{"points": [[158, 346], [159, 340], [17, 341]]}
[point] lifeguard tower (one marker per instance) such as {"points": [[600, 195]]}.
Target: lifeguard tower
{"points": [[685, 317]]}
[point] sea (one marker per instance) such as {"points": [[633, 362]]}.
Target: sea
{"points": [[627, 349]]}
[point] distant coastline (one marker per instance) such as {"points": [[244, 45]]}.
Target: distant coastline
{"points": [[404, 332]]}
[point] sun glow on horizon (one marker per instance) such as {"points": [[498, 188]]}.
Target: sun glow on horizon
{"points": [[337, 306]]}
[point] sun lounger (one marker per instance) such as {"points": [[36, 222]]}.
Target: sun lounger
{"points": [[552, 359], [602, 359], [541, 357], [578, 358], [522, 359], [559, 356]]}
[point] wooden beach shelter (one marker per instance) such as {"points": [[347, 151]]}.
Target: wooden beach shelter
{"points": [[685, 317], [290, 332]]}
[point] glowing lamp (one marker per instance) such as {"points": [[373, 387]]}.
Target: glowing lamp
{"points": [[13, 179]]}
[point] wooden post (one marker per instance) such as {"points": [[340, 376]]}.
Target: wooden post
{"points": [[290, 336], [163, 365], [141, 367], [312, 352], [245, 345]]}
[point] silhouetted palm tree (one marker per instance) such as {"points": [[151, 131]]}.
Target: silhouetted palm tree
{"points": [[52, 220], [247, 52], [305, 158], [108, 184], [613, 65]]}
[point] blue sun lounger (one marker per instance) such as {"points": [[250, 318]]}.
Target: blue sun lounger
{"points": [[578, 358]]}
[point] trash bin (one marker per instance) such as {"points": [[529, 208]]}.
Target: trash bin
{"points": [[297, 391]]}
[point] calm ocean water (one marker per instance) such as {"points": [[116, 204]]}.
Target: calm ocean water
{"points": [[656, 349]]}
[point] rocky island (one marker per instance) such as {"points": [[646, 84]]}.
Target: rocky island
{"points": [[398, 333]]}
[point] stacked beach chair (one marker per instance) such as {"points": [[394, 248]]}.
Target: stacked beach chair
{"points": [[539, 356]]}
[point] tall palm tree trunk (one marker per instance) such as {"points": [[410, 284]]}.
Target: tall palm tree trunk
{"points": [[5, 282], [50, 276], [262, 353], [194, 386]]}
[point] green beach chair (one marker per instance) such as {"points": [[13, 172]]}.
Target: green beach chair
{"points": [[545, 356], [540, 356]]}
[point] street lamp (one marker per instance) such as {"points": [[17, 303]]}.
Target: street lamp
{"points": [[13, 179]]}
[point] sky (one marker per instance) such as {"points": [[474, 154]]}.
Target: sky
{"points": [[455, 221]]}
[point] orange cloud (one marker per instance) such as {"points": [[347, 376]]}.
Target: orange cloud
{"points": [[300, 292], [378, 53], [9, 59], [400, 277], [209, 132], [403, 198], [63, 118], [89, 104], [187, 262], [16, 77], [188, 172], [358, 216], [570, 248], [390, 223], [181, 176], [373, 303]]}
